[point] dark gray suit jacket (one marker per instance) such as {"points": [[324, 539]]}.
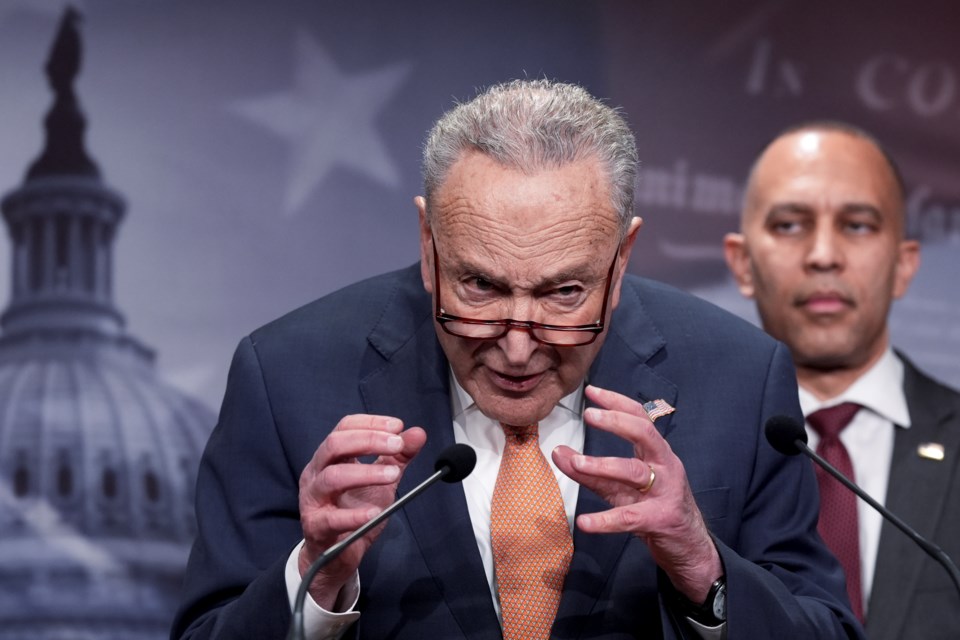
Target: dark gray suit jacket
{"points": [[913, 596], [372, 348]]}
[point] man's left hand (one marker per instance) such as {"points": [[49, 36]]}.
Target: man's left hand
{"points": [[649, 494]]}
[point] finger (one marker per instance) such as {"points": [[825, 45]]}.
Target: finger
{"points": [[351, 443], [614, 401], [636, 429], [632, 472], [338, 478], [413, 440], [369, 421], [325, 524], [640, 519], [334, 468], [563, 457]]}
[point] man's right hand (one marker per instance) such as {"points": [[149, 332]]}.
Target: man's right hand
{"points": [[338, 493]]}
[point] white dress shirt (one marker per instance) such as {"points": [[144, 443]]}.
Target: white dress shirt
{"points": [[869, 441]]}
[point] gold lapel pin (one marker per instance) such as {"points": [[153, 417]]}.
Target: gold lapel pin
{"points": [[931, 451]]}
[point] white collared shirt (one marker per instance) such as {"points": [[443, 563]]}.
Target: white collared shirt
{"points": [[869, 441]]}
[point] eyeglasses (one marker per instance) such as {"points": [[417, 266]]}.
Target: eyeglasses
{"points": [[551, 334]]}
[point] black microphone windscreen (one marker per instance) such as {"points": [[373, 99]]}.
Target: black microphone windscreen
{"points": [[783, 433], [459, 459]]}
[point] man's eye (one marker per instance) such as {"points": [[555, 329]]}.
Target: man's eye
{"points": [[569, 291], [786, 227], [566, 297], [857, 227], [480, 284]]}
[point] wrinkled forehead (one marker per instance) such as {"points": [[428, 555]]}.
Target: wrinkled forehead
{"points": [[480, 194]]}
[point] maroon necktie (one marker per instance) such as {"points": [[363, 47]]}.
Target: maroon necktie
{"points": [[838, 505]]}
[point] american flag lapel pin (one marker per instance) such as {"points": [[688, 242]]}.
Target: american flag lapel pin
{"points": [[657, 408]]}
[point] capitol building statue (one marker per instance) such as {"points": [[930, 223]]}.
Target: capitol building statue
{"points": [[98, 456]]}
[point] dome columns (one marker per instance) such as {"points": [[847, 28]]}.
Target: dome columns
{"points": [[62, 231]]}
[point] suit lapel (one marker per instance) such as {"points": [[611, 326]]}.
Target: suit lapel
{"points": [[620, 366], [412, 384], [899, 560]]}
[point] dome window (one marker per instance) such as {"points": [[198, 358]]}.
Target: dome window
{"points": [[21, 480], [65, 480], [108, 483], [151, 486]]}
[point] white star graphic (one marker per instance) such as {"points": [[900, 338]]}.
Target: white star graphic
{"points": [[328, 119]]}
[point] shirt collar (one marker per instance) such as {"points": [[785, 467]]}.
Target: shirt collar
{"points": [[880, 390]]}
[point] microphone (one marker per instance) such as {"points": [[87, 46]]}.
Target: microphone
{"points": [[788, 436], [453, 464]]}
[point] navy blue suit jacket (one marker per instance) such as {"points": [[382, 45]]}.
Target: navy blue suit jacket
{"points": [[372, 348]]}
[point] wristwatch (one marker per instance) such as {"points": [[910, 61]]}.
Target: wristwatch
{"points": [[713, 611]]}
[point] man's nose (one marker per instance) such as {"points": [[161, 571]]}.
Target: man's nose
{"points": [[518, 345], [826, 251]]}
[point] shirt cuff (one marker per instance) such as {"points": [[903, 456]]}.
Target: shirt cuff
{"points": [[318, 623], [718, 632]]}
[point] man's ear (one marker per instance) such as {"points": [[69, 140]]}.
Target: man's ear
{"points": [[908, 262], [625, 248], [426, 244], [738, 260]]}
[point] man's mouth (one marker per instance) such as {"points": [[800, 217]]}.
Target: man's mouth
{"points": [[515, 384], [825, 303]]}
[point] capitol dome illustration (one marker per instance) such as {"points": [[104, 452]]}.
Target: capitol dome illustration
{"points": [[98, 456]]}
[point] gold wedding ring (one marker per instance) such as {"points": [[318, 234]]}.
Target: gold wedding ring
{"points": [[653, 476]]}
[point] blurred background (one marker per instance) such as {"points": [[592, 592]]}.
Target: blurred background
{"points": [[241, 158]]}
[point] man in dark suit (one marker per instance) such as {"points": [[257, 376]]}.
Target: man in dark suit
{"points": [[579, 521], [823, 251]]}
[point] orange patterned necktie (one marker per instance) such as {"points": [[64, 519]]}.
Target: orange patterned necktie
{"points": [[532, 545]]}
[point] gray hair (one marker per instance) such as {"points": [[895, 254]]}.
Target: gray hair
{"points": [[531, 125]]}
